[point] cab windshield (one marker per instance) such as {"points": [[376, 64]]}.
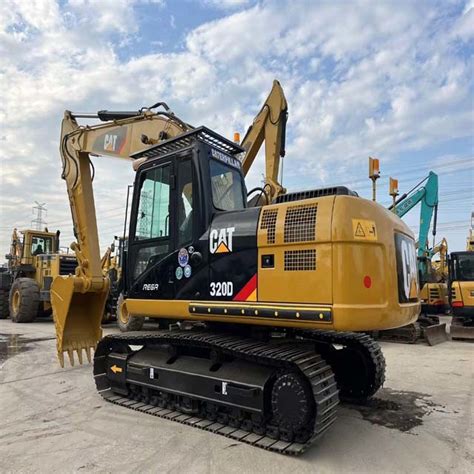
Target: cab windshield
{"points": [[465, 267], [227, 187], [40, 245]]}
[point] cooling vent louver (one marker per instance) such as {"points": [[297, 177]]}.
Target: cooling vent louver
{"points": [[269, 218], [300, 223], [296, 260]]}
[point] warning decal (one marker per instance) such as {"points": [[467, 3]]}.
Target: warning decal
{"points": [[364, 230]]}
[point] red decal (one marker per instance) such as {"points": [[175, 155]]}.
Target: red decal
{"points": [[247, 290]]}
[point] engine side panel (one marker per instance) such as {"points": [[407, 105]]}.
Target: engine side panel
{"points": [[295, 252]]}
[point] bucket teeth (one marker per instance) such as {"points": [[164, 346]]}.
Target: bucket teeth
{"points": [[61, 358], [88, 353], [77, 348], [70, 353]]}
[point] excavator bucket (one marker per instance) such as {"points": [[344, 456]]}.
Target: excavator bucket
{"points": [[435, 334], [77, 317]]}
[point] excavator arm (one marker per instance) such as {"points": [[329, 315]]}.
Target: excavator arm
{"points": [[427, 195], [270, 126], [441, 267], [78, 300]]}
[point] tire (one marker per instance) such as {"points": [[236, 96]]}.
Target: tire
{"points": [[125, 321], [24, 300], [4, 309]]}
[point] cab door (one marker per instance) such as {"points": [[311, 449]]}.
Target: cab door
{"points": [[165, 250], [190, 270], [151, 226]]}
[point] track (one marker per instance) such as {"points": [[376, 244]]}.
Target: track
{"points": [[297, 355], [408, 334]]}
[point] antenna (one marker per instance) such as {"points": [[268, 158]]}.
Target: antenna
{"points": [[39, 223]]}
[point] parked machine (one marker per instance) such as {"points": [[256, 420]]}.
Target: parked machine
{"points": [[461, 289], [433, 293], [33, 262], [111, 268], [440, 265], [275, 291]]}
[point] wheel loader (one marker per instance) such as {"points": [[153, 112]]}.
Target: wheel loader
{"points": [[33, 262], [266, 299]]}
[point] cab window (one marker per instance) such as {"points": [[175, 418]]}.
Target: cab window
{"points": [[153, 218], [466, 267], [41, 245], [185, 202], [227, 187]]}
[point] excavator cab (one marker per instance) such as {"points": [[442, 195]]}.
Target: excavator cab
{"points": [[177, 195]]}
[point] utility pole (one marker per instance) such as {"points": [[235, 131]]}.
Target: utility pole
{"points": [[39, 223]]}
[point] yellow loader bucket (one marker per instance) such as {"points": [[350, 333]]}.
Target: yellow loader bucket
{"points": [[77, 317]]}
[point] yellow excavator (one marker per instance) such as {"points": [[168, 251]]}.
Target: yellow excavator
{"points": [[267, 299], [439, 268], [461, 289], [111, 268]]}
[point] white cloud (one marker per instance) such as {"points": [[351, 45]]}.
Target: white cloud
{"points": [[364, 79], [226, 4]]}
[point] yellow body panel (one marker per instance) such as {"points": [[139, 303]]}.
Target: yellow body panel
{"points": [[277, 285], [434, 294], [463, 291]]}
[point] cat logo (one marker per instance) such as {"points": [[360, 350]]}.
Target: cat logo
{"points": [[110, 142], [407, 269], [220, 241]]}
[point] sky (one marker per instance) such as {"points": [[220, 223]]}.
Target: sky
{"points": [[393, 80]]}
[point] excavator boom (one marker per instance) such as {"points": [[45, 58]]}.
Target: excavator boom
{"points": [[270, 126], [78, 300]]}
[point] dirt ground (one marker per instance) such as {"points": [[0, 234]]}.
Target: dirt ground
{"points": [[52, 420]]}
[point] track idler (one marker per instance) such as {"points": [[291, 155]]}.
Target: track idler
{"points": [[356, 359]]}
